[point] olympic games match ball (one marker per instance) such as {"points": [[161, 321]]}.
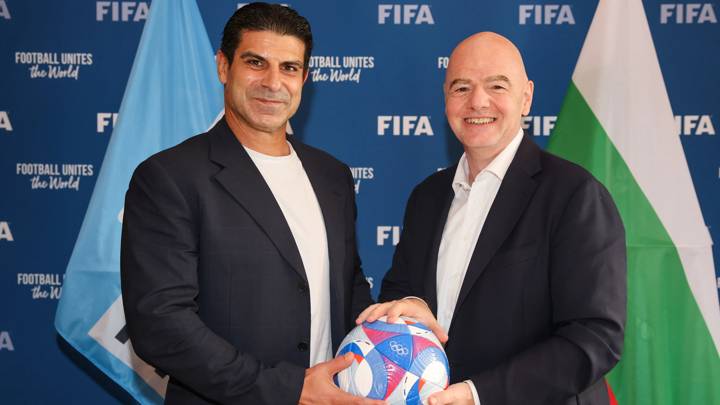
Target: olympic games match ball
{"points": [[401, 362]]}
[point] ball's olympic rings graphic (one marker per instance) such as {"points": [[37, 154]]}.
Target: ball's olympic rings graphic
{"points": [[398, 348]]}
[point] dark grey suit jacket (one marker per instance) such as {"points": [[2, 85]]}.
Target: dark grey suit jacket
{"points": [[214, 289], [541, 311]]}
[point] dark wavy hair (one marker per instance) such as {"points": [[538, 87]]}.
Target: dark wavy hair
{"points": [[265, 17]]}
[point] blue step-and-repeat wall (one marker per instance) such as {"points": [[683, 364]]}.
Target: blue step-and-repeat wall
{"points": [[373, 99]]}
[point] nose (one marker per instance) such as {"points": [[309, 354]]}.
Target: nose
{"points": [[479, 99], [271, 79]]}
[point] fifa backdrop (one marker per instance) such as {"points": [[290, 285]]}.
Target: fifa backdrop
{"points": [[373, 99]]}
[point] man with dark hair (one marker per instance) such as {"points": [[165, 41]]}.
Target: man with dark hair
{"points": [[239, 266], [519, 254]]}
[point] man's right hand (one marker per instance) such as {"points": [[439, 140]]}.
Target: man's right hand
{"points": [[319, 387], [410, 306]]}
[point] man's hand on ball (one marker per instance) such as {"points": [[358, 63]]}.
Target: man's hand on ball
{"points": [[319, 387], [410, 306], [456, 394]]}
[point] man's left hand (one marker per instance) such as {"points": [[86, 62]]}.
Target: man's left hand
{"points": [[456, 394]]}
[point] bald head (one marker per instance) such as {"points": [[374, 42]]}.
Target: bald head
{"points": [[486, 94], [481, 47]]}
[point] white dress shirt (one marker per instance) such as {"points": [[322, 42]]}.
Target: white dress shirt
{"points": [[465, 221], [294, 194]]}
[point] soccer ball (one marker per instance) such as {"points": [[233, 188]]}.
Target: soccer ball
{"points": [[401, 362]]}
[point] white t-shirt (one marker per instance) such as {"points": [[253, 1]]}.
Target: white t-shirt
{"points": [[294, 194]]}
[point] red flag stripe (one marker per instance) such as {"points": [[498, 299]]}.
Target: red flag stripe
{"points": [[613, 400]]}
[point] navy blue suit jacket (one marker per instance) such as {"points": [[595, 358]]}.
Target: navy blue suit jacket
{"points": [[214, 289], [541, 312]]}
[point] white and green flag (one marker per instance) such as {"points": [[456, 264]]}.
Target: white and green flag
{"points": [[616, 121]]}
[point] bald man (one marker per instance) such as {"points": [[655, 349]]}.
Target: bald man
{"points": [[519, 255]]}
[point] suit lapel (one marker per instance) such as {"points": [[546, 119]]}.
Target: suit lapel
{"points": [[241, 178], [444, 200], [515, 192], [329, 194]]}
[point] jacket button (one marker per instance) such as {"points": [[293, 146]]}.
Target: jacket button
{"points": [[302, 346], [302, 287]]}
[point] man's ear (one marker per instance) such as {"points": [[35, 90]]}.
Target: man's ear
{"points": [[527, 97], [223, 66], [305, 76]]}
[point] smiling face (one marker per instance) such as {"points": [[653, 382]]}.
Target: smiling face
{"points": [[263, 85], [486, 93]]}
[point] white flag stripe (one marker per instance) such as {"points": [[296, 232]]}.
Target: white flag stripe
{"points": [[104, 332], [619, 76]]}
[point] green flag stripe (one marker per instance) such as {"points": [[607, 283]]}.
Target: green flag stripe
{"points": [[669, 356]]}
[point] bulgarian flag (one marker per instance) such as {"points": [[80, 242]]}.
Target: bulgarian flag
{"points": [[616, 122]]}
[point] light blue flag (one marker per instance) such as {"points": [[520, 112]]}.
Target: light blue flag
{"points": [[173, 93]]}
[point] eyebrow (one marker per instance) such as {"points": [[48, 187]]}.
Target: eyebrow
{"points": [[250, 54], [458, 81], [495, 78]]}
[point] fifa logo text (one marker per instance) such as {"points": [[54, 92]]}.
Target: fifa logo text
{"points": [[404, 125], [405, 14], [690, 13], [121, 11], [5, 121], [545, 14], [104, 119], [384, 232]]}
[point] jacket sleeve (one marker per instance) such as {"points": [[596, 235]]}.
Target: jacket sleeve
{"points": [[159, 274], [397, 282], [588, 290]]}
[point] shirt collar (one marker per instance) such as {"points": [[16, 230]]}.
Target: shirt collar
{"points": [[261, 156], [498, 166]]}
